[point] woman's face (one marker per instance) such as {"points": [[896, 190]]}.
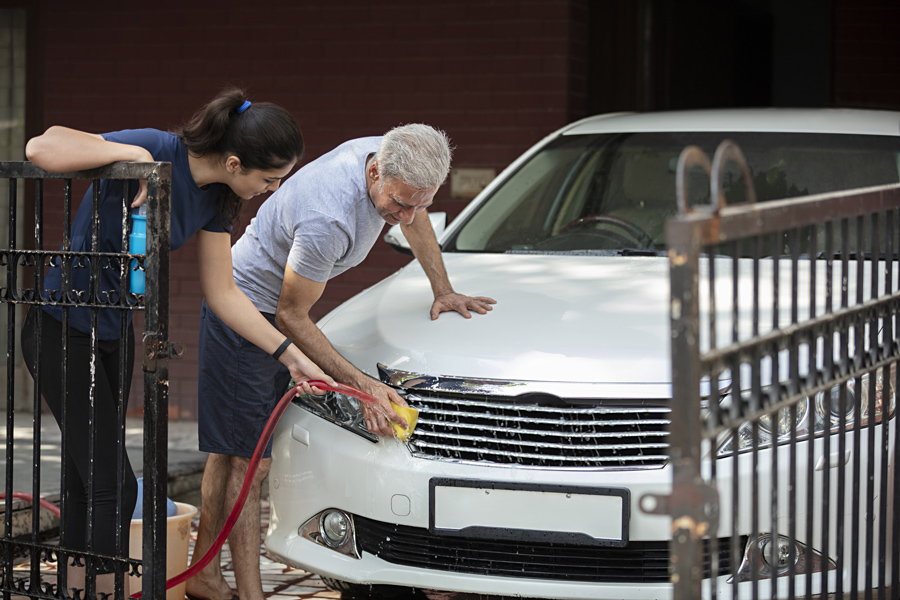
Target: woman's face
{"points": [[249, 183]]}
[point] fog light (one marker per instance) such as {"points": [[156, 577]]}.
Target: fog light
{"points": [[334, 527], [758, 557], [782, 554]]}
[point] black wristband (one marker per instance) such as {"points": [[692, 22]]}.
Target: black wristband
{"points": [[287, 342]]}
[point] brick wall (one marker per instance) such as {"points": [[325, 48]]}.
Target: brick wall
{"points": [[492, 73], [867, 53]]}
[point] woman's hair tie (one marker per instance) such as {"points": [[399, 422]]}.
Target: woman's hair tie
{"points": [[244, 106]]}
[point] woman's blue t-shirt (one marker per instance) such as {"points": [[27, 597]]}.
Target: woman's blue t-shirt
{"points": [[192, 209]]}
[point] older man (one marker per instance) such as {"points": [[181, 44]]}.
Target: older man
{"points": [[322, 221]]}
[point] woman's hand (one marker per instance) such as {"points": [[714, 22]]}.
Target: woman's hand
{"points": [[141, 196], [302, 370]]}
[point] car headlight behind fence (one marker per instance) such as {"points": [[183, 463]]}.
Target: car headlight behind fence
{"points": [[818, 414]]}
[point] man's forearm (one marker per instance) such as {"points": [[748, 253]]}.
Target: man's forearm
{"points": [[423, 243], [310, 339]]}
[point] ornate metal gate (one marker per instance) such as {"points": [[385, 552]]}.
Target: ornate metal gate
{"points": [[24, 287], [784, 353]]}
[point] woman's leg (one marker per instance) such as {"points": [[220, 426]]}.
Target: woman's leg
{"points": [[106, 431]]}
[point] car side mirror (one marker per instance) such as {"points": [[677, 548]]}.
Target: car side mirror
{"points": [[396, 240]]}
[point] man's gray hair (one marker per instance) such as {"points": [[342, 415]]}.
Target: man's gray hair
{"points": [[417, 154]]}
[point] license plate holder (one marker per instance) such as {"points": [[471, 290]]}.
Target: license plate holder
{"points": [[596, 516]]}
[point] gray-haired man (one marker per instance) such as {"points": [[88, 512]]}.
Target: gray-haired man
{"points": [[322, 221]]}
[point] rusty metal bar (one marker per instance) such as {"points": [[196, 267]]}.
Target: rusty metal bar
{"points": [[10, 416], [36, 414], [124, 340], [156, 380], [689, 524], [66, 281]]}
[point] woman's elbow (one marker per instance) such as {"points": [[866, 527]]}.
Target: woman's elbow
{"points": [[38, 148], [33, 150]]}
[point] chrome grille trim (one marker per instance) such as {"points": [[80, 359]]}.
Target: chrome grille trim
{"points": [[643, 457], [570, 409], [467, 423], [487, 440], [583, 434], [520, 408]]}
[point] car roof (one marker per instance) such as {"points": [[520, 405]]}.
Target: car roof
{"points": [[780, 120]]}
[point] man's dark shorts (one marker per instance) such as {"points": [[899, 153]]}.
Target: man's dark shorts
{"points": [[239, 386]]}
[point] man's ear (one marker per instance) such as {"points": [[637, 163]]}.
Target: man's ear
{"points": [[233, 164], [373, 170]]}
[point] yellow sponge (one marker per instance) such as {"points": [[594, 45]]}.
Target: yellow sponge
{"points": [[411, 415]]}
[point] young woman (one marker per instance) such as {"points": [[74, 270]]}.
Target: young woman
{"points": [[230, 151]]}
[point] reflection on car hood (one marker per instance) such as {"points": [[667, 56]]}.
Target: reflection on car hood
{"points": [[570, 319]]}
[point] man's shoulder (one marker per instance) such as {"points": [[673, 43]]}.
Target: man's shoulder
{"points": [[338, 172], [358, 147]]}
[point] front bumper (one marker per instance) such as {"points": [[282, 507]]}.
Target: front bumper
{"points": [[317, 466]]}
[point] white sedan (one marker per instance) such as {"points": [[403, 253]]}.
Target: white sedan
{"points": [[543, 423]]}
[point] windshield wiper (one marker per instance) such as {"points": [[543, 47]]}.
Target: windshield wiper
{"points": [[640, 252], [596, 252]]}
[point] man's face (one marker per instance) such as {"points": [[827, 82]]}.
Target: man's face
{"points": [[394, 200]]}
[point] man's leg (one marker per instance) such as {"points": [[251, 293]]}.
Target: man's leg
{"points": [[244, 540], [209, 583], [239, 386]]}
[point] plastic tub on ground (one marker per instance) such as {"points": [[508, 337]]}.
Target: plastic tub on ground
{"points": [[178, 536]]}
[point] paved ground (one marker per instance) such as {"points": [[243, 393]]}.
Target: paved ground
{"points": [[183, 453]]}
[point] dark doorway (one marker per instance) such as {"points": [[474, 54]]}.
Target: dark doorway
{"points": [[661, 55]]}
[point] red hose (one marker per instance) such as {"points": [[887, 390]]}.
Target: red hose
{"points": [[23, 496], [251, 471]]}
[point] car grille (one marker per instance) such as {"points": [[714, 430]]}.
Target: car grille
{"points": [[638, 562], [510, 432]]}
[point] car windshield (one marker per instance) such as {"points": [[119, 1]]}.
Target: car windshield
{"points": [[612, 193]]}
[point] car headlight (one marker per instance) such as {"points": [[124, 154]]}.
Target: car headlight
{"points": [[819, 414], [341, 410]]}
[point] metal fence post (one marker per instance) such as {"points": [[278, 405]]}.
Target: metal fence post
{"points": [[690, 523]]}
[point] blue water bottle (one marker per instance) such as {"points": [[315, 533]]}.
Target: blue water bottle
{"points": [[137, 244]]}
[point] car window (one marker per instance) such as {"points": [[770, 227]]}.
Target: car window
{"points": [[613, 192]]}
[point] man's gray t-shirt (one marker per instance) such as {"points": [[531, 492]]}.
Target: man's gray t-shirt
{"points": [[320, 221]]}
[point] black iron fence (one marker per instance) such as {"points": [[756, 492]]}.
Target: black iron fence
{"points": [[784, 427], [24, 264]]}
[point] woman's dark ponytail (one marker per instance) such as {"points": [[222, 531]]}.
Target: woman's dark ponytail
{"points": [[263, 136]]}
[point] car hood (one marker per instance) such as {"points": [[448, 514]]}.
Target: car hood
{"points": [[573, 319]]}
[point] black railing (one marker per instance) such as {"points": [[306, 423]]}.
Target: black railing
{"points": [[22, 264], [784, 424]]}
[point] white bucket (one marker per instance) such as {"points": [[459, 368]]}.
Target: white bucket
{"points": [[178, 536]]}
